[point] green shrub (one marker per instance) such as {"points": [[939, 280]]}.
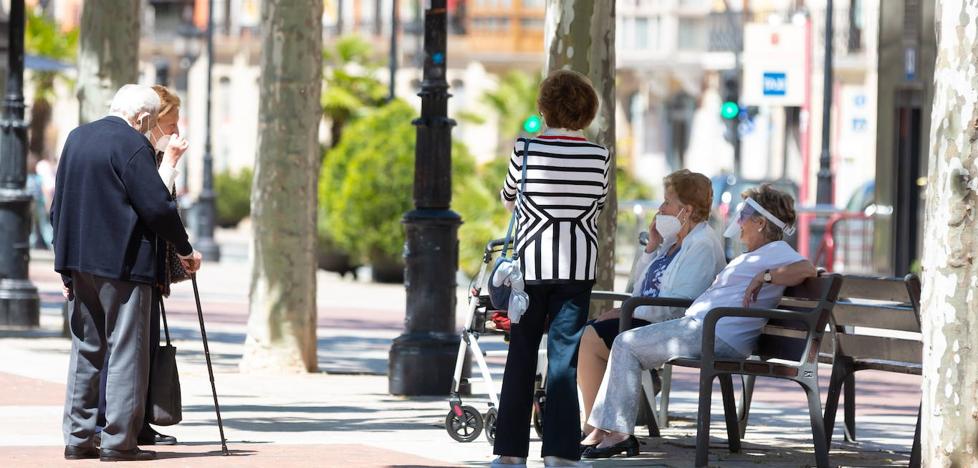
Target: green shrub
{"points": [[367, 183], [233, 197]]}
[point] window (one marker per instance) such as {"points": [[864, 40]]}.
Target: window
{"points": [[641, 33], [693, 34], [532, 23]]}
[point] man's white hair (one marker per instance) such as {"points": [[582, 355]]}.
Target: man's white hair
{"points": [[133, 99]]}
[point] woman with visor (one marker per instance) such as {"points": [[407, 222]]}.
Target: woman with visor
{"points": [[755, 279]]}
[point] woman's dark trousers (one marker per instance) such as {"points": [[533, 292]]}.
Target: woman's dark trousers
{"points": [[563, 308]]}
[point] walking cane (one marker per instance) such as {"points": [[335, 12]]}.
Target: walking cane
{"points": [[210, 370]]}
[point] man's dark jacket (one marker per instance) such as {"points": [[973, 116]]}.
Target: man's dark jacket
{"points": [[110, 205]]}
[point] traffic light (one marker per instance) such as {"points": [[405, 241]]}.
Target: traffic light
{"points": [[730, 109], [532, 124]]}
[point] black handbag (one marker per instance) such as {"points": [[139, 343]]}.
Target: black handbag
{"points": [[165, 406], [499, 294]]}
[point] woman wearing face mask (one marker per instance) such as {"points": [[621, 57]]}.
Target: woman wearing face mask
{"points": [[755, 279], [682, 257], [165, 137]]}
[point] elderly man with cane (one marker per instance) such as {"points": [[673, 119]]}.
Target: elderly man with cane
{"points": [[109, 207]]}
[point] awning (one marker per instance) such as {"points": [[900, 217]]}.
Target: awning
{"points": [[45, 64]]}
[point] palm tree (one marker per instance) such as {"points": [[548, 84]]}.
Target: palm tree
{"points": [[512, 101], [350, 83], [43, 38]]}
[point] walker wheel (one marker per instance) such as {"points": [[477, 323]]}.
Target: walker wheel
{"points": [[463, 423], [539, 406], [490, 424]]}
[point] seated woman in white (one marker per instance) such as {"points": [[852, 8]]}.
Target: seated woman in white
{"points": [[756, 278]]}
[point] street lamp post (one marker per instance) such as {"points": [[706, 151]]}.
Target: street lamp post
{"points": [[19, 302], [422, 359], [824, 195], [206, 212]]}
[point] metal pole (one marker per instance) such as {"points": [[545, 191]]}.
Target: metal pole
{"points": [[422, 358], [824, 194], [395, 20], [206, 210], [19, 301]]}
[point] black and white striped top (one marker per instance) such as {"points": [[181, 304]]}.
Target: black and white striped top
{"points": [[566, 187]]}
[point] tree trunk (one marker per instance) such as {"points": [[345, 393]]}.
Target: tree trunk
{"points": [[949, 426], [581, 37], [108, 54], [282, 320]]}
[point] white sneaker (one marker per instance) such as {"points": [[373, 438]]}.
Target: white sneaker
{"points": [[557, 461], [508, 462]]}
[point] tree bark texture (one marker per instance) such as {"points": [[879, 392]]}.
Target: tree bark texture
{"points": [[949, 426], [282, 320], [581, 37], [108, 54]]}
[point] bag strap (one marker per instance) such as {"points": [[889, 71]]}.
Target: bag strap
{"points": [[166, 329], [510, 235]]}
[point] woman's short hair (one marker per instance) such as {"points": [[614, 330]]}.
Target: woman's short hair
{"points": [[778, 203], [169, 102], [567, 100], [693, 189], [132, 99]]}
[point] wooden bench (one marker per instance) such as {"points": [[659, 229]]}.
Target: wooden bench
{"points": [[788, 348], [885, 305]]}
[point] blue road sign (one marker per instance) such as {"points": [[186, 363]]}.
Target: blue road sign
{"points": [[775, 83]]}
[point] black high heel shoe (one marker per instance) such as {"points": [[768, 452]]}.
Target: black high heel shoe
{"points": [[629, 446], [586, 447]]}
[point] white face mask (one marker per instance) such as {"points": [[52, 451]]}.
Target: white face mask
{"points": [[161, 142], [668, 227]]}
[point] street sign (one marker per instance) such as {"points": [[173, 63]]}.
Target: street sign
{"points": [[775, 84], [774, 65]]}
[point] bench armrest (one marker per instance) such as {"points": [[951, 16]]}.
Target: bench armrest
{"points": [[713, 316], [609, 296], [629, 306]]}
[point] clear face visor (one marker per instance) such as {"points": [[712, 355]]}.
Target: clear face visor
{"points": [[751, 208]]}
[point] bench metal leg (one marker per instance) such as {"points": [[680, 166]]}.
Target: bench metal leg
{"points": [[730, 413], [747, 381], [703, 419], [840, 370], [666, 376], [915, 451], [849, 406], [648, 389], [818, 427]]}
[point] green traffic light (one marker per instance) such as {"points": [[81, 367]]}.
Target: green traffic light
{"points": [[729, 110], [532, 124]]}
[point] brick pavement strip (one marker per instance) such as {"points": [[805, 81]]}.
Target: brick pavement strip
{"points": [[333, 419]]}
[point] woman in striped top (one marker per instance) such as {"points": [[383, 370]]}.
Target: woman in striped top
{"points": [[557, 245]]}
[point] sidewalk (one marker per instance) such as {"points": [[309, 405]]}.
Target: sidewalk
{"points": [[343, 415]]}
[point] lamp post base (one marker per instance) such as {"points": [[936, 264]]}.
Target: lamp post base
{"points": [[20, 306], [422, 364]]}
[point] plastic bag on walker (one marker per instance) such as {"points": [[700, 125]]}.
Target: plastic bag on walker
{"points": [[510, 274]]}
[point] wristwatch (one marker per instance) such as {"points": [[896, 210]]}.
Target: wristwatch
{"points": [[767, 276]]}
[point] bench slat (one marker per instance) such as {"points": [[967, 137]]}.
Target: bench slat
{"points": [[888, 316], [874, 288], [880, 348]]}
